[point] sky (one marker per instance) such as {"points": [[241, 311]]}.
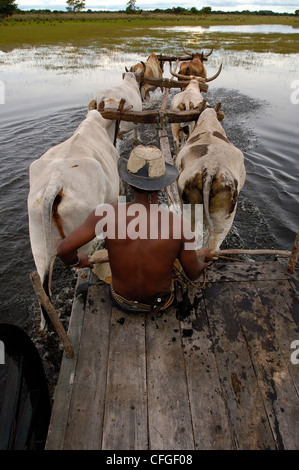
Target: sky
{"points": [[280, 6]]}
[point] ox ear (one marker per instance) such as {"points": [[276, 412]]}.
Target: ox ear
{"points": [[101, 106], [92, 105], [126, 69]]}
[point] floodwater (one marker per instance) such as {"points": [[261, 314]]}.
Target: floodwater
{"points": [[46, 93], [246, 28]]}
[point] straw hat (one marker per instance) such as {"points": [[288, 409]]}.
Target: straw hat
{"points": [[146, 169]]}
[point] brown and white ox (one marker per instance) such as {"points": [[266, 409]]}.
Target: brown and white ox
{"points": [[128, 89], [195, 66], [151, 68], [189, 99], [66, 184], [212, 173]]}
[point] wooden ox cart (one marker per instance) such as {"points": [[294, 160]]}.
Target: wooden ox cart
{"points": [[218, 374]]}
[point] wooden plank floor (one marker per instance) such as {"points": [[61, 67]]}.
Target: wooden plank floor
{"points": [[217, 375]]}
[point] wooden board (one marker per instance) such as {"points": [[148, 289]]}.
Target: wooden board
{"points": [[215, 374], [88, 403], [63, 391], [125, 420], [169, 412], [210, 421]]}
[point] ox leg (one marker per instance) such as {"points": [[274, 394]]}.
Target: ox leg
{"points": [[222, 225], [197, 225], [46, 283], [175, 129], [136, 138]]}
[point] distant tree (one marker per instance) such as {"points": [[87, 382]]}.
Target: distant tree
{"points": [[7, 8], [296, 12], [205, 10], [179, 10], [131, 7], [75, 5]]}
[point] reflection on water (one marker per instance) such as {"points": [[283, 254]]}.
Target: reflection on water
{"points": [[49, 78], [257, 28]]}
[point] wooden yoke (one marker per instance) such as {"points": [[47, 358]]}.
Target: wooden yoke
{"points": [[117, 123], [169, 83], [150, 116]]}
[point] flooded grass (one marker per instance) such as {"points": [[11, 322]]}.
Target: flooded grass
{"points": [[77, 29]]}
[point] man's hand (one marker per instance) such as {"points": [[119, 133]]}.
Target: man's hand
{"points": [[85, 262], [204, 256]]}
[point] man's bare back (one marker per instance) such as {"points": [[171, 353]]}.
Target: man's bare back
{"points": [[146, 264], [141, 258]]}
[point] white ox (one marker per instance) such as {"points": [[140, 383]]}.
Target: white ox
{"points": [[128, 89], [212, 173], [66, 184], [151, 68], [186, 100]]}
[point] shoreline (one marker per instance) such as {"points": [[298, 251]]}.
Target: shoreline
{"points": [[37, 29]]}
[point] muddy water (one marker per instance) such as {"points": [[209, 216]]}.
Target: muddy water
{"points": [[47, 90]]}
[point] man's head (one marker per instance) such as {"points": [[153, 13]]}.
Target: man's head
{"points": [[146, 169]]}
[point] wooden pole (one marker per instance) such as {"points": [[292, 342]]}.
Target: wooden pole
{"points": [[282, 253], [53, 315], [294, 255], [169, 83], [171, 190], [150, 116]]}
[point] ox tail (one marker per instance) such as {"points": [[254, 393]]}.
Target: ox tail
{"points": [[51, 200], [207, 179]]}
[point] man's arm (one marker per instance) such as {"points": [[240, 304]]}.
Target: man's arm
{"points": [[192, 262], [67, 250]]}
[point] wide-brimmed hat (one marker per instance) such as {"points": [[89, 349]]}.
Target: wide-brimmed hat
{"points": [[146, 169]]}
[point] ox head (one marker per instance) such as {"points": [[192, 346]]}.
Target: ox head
{"points": [[129, 75], [199, 55], [137, 68], [200, 79]]}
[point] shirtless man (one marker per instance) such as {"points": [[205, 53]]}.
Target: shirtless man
{"points": [[141, 265]]}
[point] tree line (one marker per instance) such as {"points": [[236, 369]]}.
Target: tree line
{"points": [[9, 7]]}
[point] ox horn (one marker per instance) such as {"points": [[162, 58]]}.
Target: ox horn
{"points": [[144, 67], [199, 79], [188, 53], [187, 77], [209, 53], [182, 77], [214, 76]]}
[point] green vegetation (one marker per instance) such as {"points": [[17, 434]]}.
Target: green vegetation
{"points": [[7, 8], [37, 28]]}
